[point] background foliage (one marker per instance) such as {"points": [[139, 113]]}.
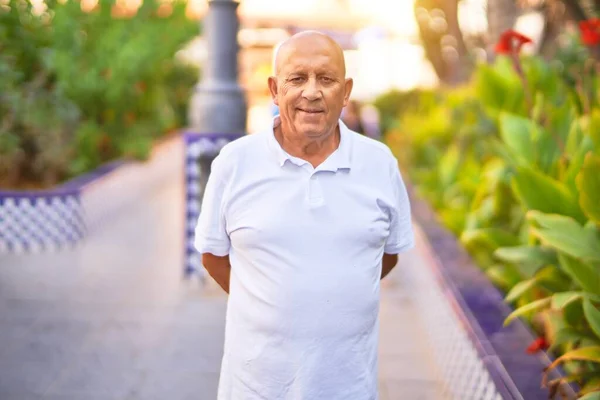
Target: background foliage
{"points": [[511, 163], [78, 88]]}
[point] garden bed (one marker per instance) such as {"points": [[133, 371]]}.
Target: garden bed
{"points": [[509, 161]]}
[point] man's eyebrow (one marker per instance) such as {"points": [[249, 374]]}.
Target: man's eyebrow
{"points": [[294, 74]]}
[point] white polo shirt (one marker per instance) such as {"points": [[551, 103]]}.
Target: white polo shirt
{"points": [[305, 246]]}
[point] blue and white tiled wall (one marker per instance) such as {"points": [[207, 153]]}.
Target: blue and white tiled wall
{"points": [[30, 223], [197, 146]]}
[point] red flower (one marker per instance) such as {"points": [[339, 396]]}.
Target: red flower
{"points": [[511, 41], [537, 345], [590, 31]]}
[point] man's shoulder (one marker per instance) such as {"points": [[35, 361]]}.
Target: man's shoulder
{"points": [[239, 147], [237, 154]]}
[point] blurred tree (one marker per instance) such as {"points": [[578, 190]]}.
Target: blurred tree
{"points": [[559, 14], [577, 9], [554, 22], [443, 39], [501, 16], [450, 51]]}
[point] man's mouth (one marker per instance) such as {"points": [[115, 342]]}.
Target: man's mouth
{"points": [[311, 110]]}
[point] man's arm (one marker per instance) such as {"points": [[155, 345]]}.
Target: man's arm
{"points": [[219, 268], [388, 263], [401, 237], [211, 238]]}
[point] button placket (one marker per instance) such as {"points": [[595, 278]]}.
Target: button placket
{"points": [[315, 194]]}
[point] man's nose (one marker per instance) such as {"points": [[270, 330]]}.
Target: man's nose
{"points": [[312, 90]]}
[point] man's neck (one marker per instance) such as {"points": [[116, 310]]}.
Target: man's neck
{"points": [[314, 151]]}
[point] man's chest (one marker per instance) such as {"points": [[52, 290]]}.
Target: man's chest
{"points": [[299, 210]]}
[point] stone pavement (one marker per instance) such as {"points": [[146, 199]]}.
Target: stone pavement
{"points": [[114, 320]]}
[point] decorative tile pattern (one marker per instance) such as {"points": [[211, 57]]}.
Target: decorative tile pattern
{"points": [[462, 371], [32, 224], [197, 146]]}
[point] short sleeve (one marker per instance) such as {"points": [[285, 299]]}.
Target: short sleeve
{"points": [[401, 236], [211, 233]]}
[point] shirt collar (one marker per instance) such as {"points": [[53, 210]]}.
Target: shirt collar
{"points": [[339, 159]]}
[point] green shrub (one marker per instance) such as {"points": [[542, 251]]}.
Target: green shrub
{"points": [[395, 103], [511, 163], [80, 88]]}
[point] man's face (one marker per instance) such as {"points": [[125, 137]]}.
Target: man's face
{"points": [[310, 87]]}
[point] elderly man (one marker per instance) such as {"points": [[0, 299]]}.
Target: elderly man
{"points": [[298, 225]]}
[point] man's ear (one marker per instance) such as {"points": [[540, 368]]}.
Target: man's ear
{"points": [[348, 85], [273, 89]]}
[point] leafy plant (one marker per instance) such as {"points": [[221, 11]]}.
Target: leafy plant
{"points": [[81, 87], [37, 120], [511, 164]]}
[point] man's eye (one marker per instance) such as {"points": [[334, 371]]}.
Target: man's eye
{"points": [[296, 79], [326, 79]]}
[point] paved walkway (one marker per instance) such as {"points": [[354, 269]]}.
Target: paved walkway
{"points": [[114, 320]]}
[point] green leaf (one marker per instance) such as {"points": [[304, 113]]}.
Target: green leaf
{"points": [[533, 257], [481, 243], [566, 235], [551, 322], [490, 237], [520, 289], [553, 279], [548, 149], [594, 129], [593, 228], [575, 137], [586, 275], [448, 166], [526, 254], [592, 314], [588, 183], [561, 300], [526, 309], [568, 335], [540, 192], [585, 354], [591, 396], [591, 386], [517, 133], [573, 314], [503, 276], [497, 89], [591, 354]]}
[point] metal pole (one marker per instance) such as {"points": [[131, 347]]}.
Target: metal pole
{"points": [[217, 114], [218, 105]]}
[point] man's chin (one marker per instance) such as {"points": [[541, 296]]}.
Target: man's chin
{"points": [[312, 130]]}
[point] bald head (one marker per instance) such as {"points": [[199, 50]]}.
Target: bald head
{"points": [[309, 41]]}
